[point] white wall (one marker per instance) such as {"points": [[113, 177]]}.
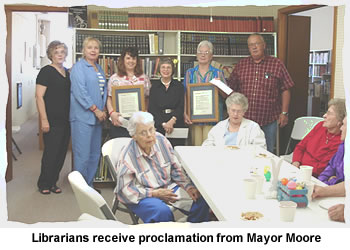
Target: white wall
{"points": [[339, 54], [24, 30], [321, 27]]}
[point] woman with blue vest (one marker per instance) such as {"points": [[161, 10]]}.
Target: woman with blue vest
{"points": [[203, 73], [87, 110]]}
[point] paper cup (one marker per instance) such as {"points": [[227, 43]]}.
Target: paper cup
{"points": [[250, 188], [259, 182], [305, 173], [310, 189], [287, 210]]}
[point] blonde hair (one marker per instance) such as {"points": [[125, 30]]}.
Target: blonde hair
{"points": [[91, 39]]}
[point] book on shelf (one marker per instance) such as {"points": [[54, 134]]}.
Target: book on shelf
{"points": [[77, 17]]}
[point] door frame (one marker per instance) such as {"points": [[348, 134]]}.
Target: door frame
{"points": [[282, 23], [8, 58]]}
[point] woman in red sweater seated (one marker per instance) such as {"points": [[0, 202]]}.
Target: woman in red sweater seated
{"points": [[319, 146]]}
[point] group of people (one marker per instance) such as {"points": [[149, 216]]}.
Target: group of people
{"points": [[149, 174]]}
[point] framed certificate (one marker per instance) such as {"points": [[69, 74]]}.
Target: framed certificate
{"points": [[202, 102], [128, 99]]}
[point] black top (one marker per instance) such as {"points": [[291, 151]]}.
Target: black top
{"points": [[172, 98], [57, 95]]}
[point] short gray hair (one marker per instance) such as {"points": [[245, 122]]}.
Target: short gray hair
{"points": [[257, 34], [339, 108], [167, 60], [53, 46], [206, 43], [238, 99], [139, 117]]}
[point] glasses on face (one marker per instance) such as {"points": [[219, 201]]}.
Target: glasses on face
{"points": [[250, 45], [145, 132], [237, 111], [203, 53]]}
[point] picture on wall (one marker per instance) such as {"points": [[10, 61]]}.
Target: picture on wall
{"points": [[19, 95]]}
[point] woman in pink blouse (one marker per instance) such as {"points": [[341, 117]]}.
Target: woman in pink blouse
{"points": [[129, 73]]}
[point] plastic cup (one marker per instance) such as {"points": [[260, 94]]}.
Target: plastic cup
{"points": [[305, 173], [310, 189], [287, 210], [259, 182], [250, 188]]}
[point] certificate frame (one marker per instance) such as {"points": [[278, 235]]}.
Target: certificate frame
{"points": [[208, 89], [118, 91]]}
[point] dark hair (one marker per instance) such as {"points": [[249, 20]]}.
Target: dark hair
{"points": [[133, 52], [53, 46], [166, 60]]}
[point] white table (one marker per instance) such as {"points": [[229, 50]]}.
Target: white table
{"points": [[218, 173]]}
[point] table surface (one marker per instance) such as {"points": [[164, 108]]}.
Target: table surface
{"points": [[218, 173]]}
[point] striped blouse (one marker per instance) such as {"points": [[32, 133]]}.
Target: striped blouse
{"points": [[139, 174]]}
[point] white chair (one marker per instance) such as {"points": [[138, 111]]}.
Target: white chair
{"points": [[111, 151], [302, 126], [89, 200]]}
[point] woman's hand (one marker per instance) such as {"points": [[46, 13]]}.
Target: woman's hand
{"points": [[115, 119], [165, 194], [187, 119], [45, 125], [317, 192], [296, 163], [336, 212], [168, 126], [101, 116], [193, 193]]}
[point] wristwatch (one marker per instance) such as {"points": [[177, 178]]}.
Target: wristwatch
{"points": [[285, 113]]}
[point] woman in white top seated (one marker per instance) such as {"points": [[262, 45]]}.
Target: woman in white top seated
{"points": [[236, 130]]}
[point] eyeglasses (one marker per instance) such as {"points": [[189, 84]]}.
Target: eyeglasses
{"points": [[145, 133], [203, 53], [236, 111], [254, 44]]}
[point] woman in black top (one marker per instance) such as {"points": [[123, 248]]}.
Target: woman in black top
{"points": [[166, 101], [53, 100]]}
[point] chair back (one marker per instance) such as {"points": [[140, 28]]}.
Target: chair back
{"points": [[303, 125], [113, 147], [89, 200]]}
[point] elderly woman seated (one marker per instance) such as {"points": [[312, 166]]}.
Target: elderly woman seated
{"points": [[236, 130], [322, 142], [334, 172], [150, 177]]}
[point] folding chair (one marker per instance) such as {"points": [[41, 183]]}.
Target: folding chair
{"points": [[111, 151], [89, 200], [302, 126]]}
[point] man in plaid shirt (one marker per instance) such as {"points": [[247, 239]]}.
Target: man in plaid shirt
{"points": [[265, 81]]}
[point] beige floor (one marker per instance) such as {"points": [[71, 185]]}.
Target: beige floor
{"points": [[24, 202]]}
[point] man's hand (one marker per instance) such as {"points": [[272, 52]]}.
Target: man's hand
{"points": [[165, 194], [193, 193], [336, 212], [282, 120]]}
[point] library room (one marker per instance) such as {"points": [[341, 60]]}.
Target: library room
{"points": [[101, 158]]}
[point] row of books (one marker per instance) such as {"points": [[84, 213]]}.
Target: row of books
{"points": [[319, 57], [200, 23], [112, 20], [224, 44], [318, 70], [114, 44]]}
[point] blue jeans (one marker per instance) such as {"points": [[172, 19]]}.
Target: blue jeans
{"points": [[270, 135]]}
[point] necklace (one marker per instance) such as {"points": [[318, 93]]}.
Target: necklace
{"points": [[328, 139]]}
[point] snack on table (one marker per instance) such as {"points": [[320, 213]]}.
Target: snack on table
{"points": [[251, 216], [262, 155], [232, 147]]}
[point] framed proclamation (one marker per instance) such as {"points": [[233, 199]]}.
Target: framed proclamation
{"points": [[128, 99], [202, 102]]}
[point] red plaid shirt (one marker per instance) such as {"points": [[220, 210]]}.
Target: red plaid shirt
{"points": [[262, 83]]}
